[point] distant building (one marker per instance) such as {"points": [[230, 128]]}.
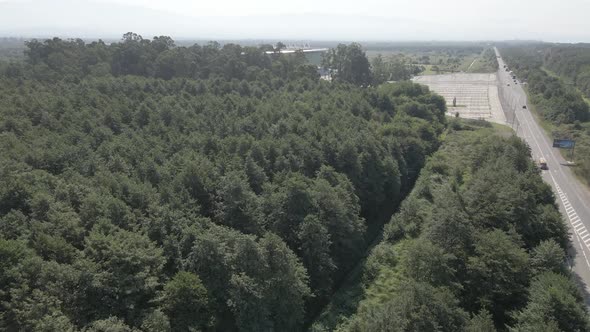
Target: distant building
{"points": [[304, 50], [325, 73], [313, 55]]}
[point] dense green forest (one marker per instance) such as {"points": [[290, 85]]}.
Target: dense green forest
{"points": [[11, 48], [572, 62], [478, 245], [562, 105], [147, 186]]}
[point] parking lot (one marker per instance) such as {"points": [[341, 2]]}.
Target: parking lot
{"points": [[476, 94]]}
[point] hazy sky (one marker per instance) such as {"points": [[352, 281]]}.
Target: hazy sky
{"points": [[389, 20]]}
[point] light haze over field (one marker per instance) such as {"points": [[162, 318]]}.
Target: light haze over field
{"points": [[547, 20]]}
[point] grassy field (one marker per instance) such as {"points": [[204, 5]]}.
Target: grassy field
{"points": [[484, 63], [434, 60], [443, 61]]}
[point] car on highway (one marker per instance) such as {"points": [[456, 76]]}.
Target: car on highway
{"points": [[543, 164], [524, 106], [508, 84]]}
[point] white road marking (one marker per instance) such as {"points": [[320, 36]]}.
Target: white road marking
{"points": [[517, 94], [579, 227]]}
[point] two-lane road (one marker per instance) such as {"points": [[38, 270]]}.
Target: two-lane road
{"points": [[572, 196]]}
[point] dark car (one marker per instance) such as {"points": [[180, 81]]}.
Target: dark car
{"points": [[524, 106]]}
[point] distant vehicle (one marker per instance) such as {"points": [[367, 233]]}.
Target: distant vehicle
{"points": [[543, 163], [515, 82], [513, 77], [524, 106], [508, 84]]}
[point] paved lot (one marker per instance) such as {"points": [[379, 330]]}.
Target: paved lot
{"points": [[476, 94]]}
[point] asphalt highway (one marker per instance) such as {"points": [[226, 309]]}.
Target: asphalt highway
{"points": [[572, 196]]}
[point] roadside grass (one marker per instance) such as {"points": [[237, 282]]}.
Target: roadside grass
{"points": [[502, 130]]}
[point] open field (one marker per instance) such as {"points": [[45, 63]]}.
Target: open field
{"points": [[476, 95], [439, 58], [434, 60]]}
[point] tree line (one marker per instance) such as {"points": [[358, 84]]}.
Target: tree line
{"points": [[153, 187], [478, 245], [572, 62], [555, 101]]}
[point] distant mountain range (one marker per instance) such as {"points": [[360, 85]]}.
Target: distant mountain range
{"points": [[92, 19], [68, 18]]}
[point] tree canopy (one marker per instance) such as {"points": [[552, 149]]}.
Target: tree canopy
{"points": [[158, 187], [461, 255]]}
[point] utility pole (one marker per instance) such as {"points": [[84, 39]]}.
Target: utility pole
{"points": [[573, 148]]}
